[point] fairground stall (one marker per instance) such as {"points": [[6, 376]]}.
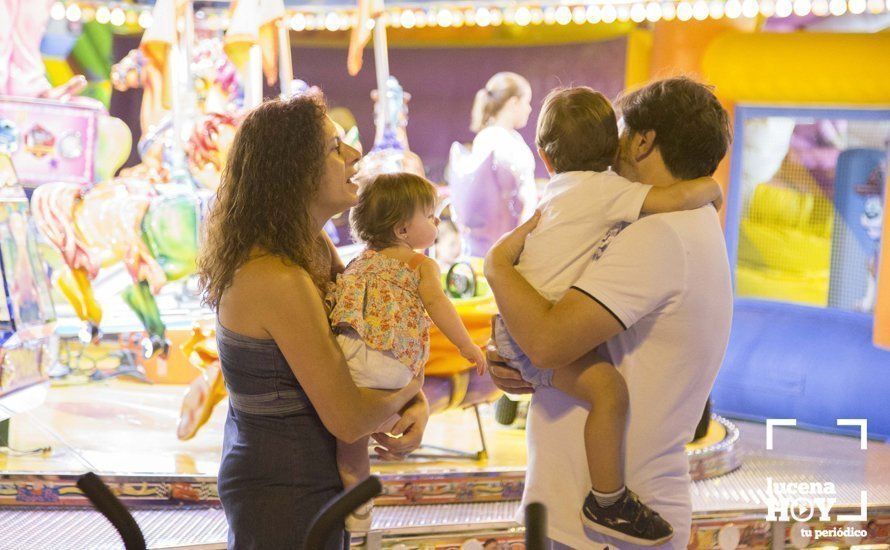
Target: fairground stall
{"points": [[115, 122]]}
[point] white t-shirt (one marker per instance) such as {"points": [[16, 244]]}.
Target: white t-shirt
{"points": [[580, 211], [666, 277], [511, 149]]}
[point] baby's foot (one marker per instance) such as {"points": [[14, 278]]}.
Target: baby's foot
{"points": [[360, 520], [628, 520]]}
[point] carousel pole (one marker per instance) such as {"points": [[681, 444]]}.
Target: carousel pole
{"points": [[182, 99], [285, 63], [381, 64]]}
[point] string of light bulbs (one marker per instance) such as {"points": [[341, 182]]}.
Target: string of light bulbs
{"points": [[489, 15]]}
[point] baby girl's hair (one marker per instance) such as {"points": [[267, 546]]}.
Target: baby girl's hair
{"points": [[387, 201], [489, 101], [577, 129]]}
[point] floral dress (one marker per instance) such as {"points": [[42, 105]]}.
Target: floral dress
{"points": [[379, 298]]}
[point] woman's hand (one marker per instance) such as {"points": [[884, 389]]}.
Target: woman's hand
{"points": [[507, 249], [409, 428]]}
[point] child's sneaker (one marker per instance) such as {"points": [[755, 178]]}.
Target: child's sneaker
{"points": [[628, 520], [360, 520]]}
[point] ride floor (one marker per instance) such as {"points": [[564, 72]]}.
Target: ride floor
{"points": [[126, 430]]}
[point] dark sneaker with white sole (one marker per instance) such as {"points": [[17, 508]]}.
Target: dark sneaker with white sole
{"points": [[628, 520]]}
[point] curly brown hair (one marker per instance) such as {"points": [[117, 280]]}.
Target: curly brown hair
{"points": [[270, 179], [387, 201]]}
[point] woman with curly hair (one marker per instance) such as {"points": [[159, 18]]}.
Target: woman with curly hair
{"points": [[265, 265]]}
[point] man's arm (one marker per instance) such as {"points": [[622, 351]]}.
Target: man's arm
{"points": [[552, 335], [641, 269]]}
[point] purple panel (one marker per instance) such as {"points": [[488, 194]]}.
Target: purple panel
{"points": [[443, 82]]}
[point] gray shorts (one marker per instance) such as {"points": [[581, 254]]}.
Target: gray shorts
{"points": [[516, 358]]}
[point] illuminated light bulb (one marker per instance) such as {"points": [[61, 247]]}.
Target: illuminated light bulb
{"points": [[483, 17], [537, 16], [73, 13], [549, 16], [653, 12], [784, 8], [563, 15], [132, 17], [750, 9], [767, 8], [497, 18], [118, 17], [145, 19], [875, 6], [57, 12], [103, 14], [700, 10], [371, 23], [837, 7], [733, 9], [638, 13], [579, 15], [332, 22], [820, 8], [715, 9], [444, 18], [298, 22], [802, 8], [608, 13], [408, 19], [684, 11], [623, 13], [669, 11], [523, 17], [857, 6], [458, 20], [593, 14], [509, 15]]}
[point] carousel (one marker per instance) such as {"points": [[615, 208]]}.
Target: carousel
{"points": [[115, 123]]}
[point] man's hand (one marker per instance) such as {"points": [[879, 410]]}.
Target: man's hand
{"points": [[409, 429], [504, 377], [507, 249]]}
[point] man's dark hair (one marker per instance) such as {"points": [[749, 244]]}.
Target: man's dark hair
{"points": [[692, 129]]}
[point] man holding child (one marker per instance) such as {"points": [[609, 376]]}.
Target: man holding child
{"points": [[655, 301]]}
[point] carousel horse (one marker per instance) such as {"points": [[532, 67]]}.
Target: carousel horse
{"points": [[152, 230]]}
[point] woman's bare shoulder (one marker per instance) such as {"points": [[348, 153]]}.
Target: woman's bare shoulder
{"points": [[260, 289]]}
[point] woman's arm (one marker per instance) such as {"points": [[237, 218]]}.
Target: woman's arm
{"points": [[296, 319], [684, 195], [408, 430]]}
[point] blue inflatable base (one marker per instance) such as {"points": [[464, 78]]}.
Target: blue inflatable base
{"points": [[815, 365]]}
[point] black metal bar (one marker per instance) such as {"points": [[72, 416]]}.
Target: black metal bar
{"points": [[334, 513], [110, 507], [535, 526]]}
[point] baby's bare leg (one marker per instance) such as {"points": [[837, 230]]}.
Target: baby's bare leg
{"points": [[597, 382], [353, 462]]}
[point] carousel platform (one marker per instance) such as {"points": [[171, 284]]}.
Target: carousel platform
{"points": [[125, 431]]}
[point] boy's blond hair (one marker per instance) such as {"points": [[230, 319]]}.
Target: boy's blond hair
{"points": [[386, 202], [577, 130]]}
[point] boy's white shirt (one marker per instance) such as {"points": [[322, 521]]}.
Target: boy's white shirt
{"points": [[666, 278], [580, 213]]}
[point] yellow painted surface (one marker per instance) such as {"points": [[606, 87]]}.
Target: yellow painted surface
{"points": [[802, 67]]}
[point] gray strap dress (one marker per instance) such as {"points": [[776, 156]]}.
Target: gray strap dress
{"points": [[279, 463]]}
